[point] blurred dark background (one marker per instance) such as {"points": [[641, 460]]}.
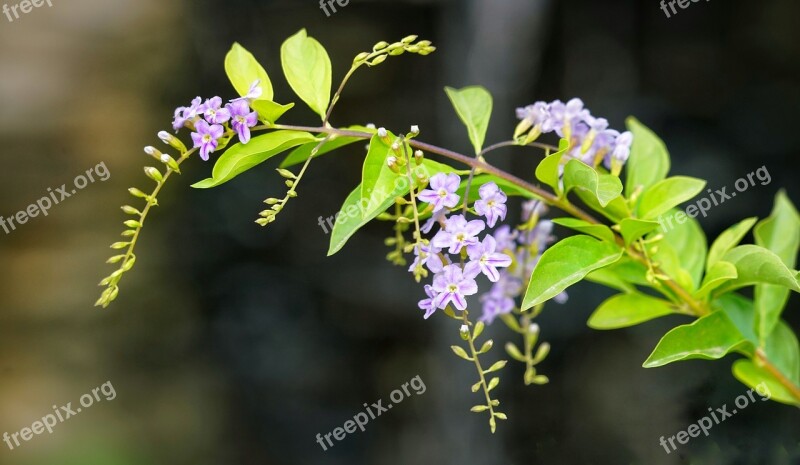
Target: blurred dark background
{"points": [[234, 344]]}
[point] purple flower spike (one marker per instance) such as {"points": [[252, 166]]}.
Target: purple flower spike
{"points": [[492, 204], [452, 286], [458, 233], [442, 192], [242, 119], [488, 259], [427, 304], [206, 137], [214, 113]]}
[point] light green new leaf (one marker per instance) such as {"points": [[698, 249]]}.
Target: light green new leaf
{"points": [[780, 233], [623, 310], [632, 229], [668, 193], [615, 210], [547, 171], [719, 273], [761, 380], [243, 69], [729, 239], [579, 175], [689, 242], [269, 111], [241, 157], [649, 159], [599, 231], [474, 106], [710, 337], [566, 263], [757, 265], [301, 154], [377, 179], [354, 212], [308, 70]]}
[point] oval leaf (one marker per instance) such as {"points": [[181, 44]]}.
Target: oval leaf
{"points": [[548, 169], [649, 160], [599, 231], [729, 239], [604, 187], [566, 263], [474, 107], [757, 265], [308, 70], [664, 195], [243, 69], [623, 310]]}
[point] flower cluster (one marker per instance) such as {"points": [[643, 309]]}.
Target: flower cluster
{"points": [[458, 254], [526, 244], [591, 140], [210, 121]]}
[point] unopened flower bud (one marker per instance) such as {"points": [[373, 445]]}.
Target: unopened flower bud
{"points": [[414, 130], [418, 157], [464, 332], [534, 328], [172, 141]]}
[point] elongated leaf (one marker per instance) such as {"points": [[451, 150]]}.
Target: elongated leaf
{"points": [[668, 193], [301, 154], [377, 179], [599, 231], [355, 212], [780, 233], [241, 157], [757, 265], [243, 69], [308, 70], [474, 106], [783, 350], [689, 242], [633, 229], [547, 171], [649, 159], [740, 311], [623, 310], [729, 239], [579, 175], [710, 337], [762, 381], [566, 263]]}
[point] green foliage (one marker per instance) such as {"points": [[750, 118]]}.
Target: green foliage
{"points": [[377, 177], [668, 193], [729, 239], [301, 154], [599, 231], [566, 263], [474, 106], [623, 310], [308, 70], [632, 229], [243, 69], [241, 157], [548, 169], [649, 160], [757, 265], [579, 175]]}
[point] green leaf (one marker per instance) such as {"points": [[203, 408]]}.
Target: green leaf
{"points": [[757, 265], [377, 179], [780, 233], [566, 263], [608, 278], [783, 351], [729, 239], [719, 273], [243, 69], [599, 231], [632, 229], [308, 70], [649, 159], [547, 171], [604, 187], [474, 106], [353, 214], [241, 157], [689, 240], [301, 154], [623, 310], [762, 381], [740, 311], [666, 194], [269, 111], [615, 211], [710, 337]]}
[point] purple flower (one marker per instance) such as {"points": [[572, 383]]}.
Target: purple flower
{"points": [[437, 217], [488, 259], [194, 110], [254, 92], [427, 304], [214, 113], [622, 150], [453, 286], [492, 204], [500, 298], [442, 192], [427, 254], [242, 119], [178, 120], [561, 298], [505, 238], [458, 233], [206, 137]]}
